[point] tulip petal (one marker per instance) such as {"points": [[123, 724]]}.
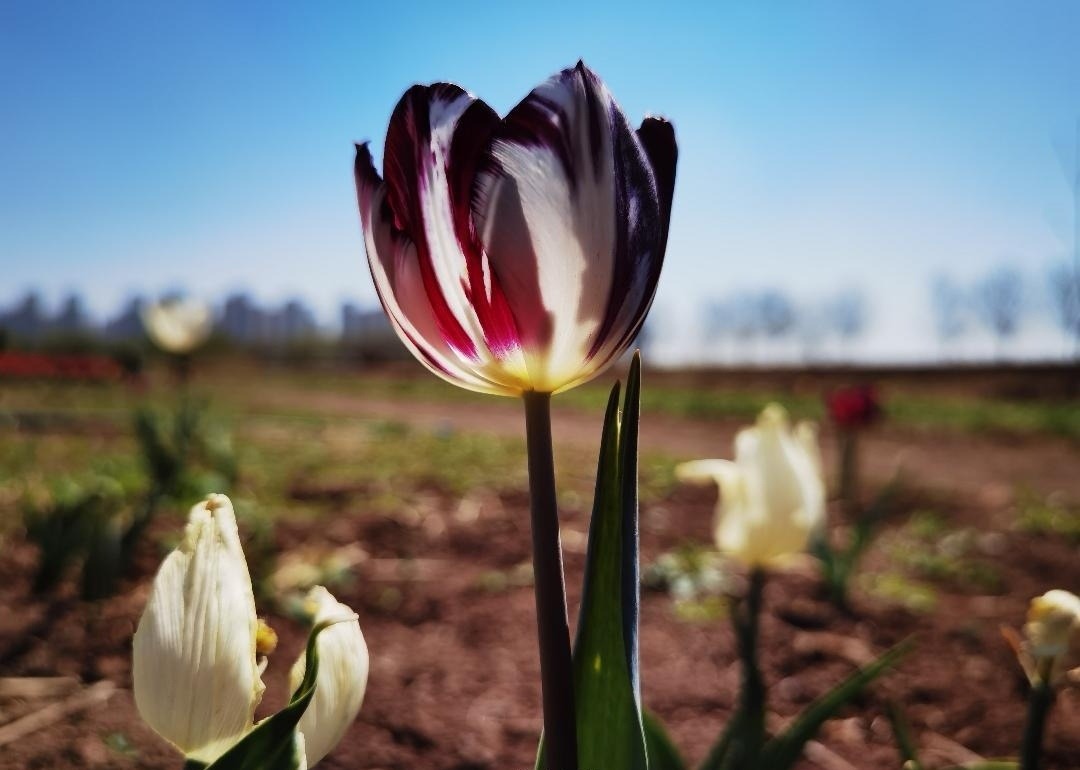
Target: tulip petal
{"points": [[196, 679], [341, 680], [396, 274], [436, 136], [567, 209]]}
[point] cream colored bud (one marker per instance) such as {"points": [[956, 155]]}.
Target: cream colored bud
{"points": [[342, 679], [196, 679], [178, 325], [772, 497], [1053, 621]]}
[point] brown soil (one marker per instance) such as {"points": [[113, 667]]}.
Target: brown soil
{"points": [[454, 672]]}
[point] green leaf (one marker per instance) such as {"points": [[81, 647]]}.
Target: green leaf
{"points": [[909, 755], [606, 684], [272, 744], [783, 751], [661, 751]]}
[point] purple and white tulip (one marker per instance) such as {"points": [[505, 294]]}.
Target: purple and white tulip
{"points": [[517, 254]]}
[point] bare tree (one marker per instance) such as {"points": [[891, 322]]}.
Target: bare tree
{"points": [[846, 314], [776, 313], [999, 298], [1064, 284], [950, 310]]}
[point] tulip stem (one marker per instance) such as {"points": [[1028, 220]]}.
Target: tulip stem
{"points": [[1039, 702], [553, 629], [746, 616]]}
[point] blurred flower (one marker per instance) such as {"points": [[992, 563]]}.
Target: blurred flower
{"points": [[1050, 648], [772, 497], [196, 667], [342, 679], [196, 678], [521, 253], [178, 325], [853, 407]]}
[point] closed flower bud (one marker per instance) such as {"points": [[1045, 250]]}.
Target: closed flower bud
{"points": [[177, 325], [196, 678], [1053, 621], [521, 253], [342, 677], [772, 497]]}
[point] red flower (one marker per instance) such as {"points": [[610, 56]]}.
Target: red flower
{"points": [[853, 406]]}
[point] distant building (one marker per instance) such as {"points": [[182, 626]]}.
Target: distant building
{"points": [[127, 325], [369, 335]]}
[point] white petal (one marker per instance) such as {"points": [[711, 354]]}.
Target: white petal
{"points": [[196, 679], [342, 679]]}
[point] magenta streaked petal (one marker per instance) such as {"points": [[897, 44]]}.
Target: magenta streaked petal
{"points": [[395, 272], [436, 135]]}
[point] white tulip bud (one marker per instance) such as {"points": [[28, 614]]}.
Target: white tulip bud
{"points": [[1052, 621], [342, 678], [772, 497], [178, 325], [196, 678]]}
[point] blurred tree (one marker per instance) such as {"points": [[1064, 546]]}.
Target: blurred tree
{"points": [[1064, 284], [776, 313], [950, 310], [846, 314], [999, 298]]}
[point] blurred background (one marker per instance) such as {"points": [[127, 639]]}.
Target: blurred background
{"points": [[882, 195]]}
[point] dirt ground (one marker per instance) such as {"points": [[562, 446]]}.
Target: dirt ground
{"points": [[454, 667]]}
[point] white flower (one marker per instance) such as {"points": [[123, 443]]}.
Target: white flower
{"points": [[178, 325], [772, 497], [196, 677], [342, 678], [1053, 619]]}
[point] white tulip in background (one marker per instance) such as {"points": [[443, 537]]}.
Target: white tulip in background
{"points": [[195, 669], [772, 497], [342, 679], [178, 325], [1052, 636], [196, 677]]}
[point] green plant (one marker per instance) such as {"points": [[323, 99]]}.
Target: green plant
{"points": [[838, 564]]}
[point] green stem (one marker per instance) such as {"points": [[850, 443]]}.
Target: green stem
{"points": [[849, 471], [553, 629], [1040, 700], [752, 692]]}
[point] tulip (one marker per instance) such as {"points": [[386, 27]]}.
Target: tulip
{"points": [[176, 325], [196, 667], [342, 677], [853, 407], [1050, 648], [196, 677], [1052, 632], [517, 254], [772, 497]]}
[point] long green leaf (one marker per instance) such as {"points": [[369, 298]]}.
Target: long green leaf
{"points": [[662, 752], [909, 755], [784, 751], [606, 685], [272, 744]]}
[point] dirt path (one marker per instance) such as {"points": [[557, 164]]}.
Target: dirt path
{"points": [[986, 466]]}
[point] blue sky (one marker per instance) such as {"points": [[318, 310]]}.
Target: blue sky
{"points": [[208, 146]]}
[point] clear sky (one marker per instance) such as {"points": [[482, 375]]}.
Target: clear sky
{"points": [[207, 146]]}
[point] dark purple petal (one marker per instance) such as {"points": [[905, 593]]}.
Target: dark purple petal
{"points": [[657, 137]]}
